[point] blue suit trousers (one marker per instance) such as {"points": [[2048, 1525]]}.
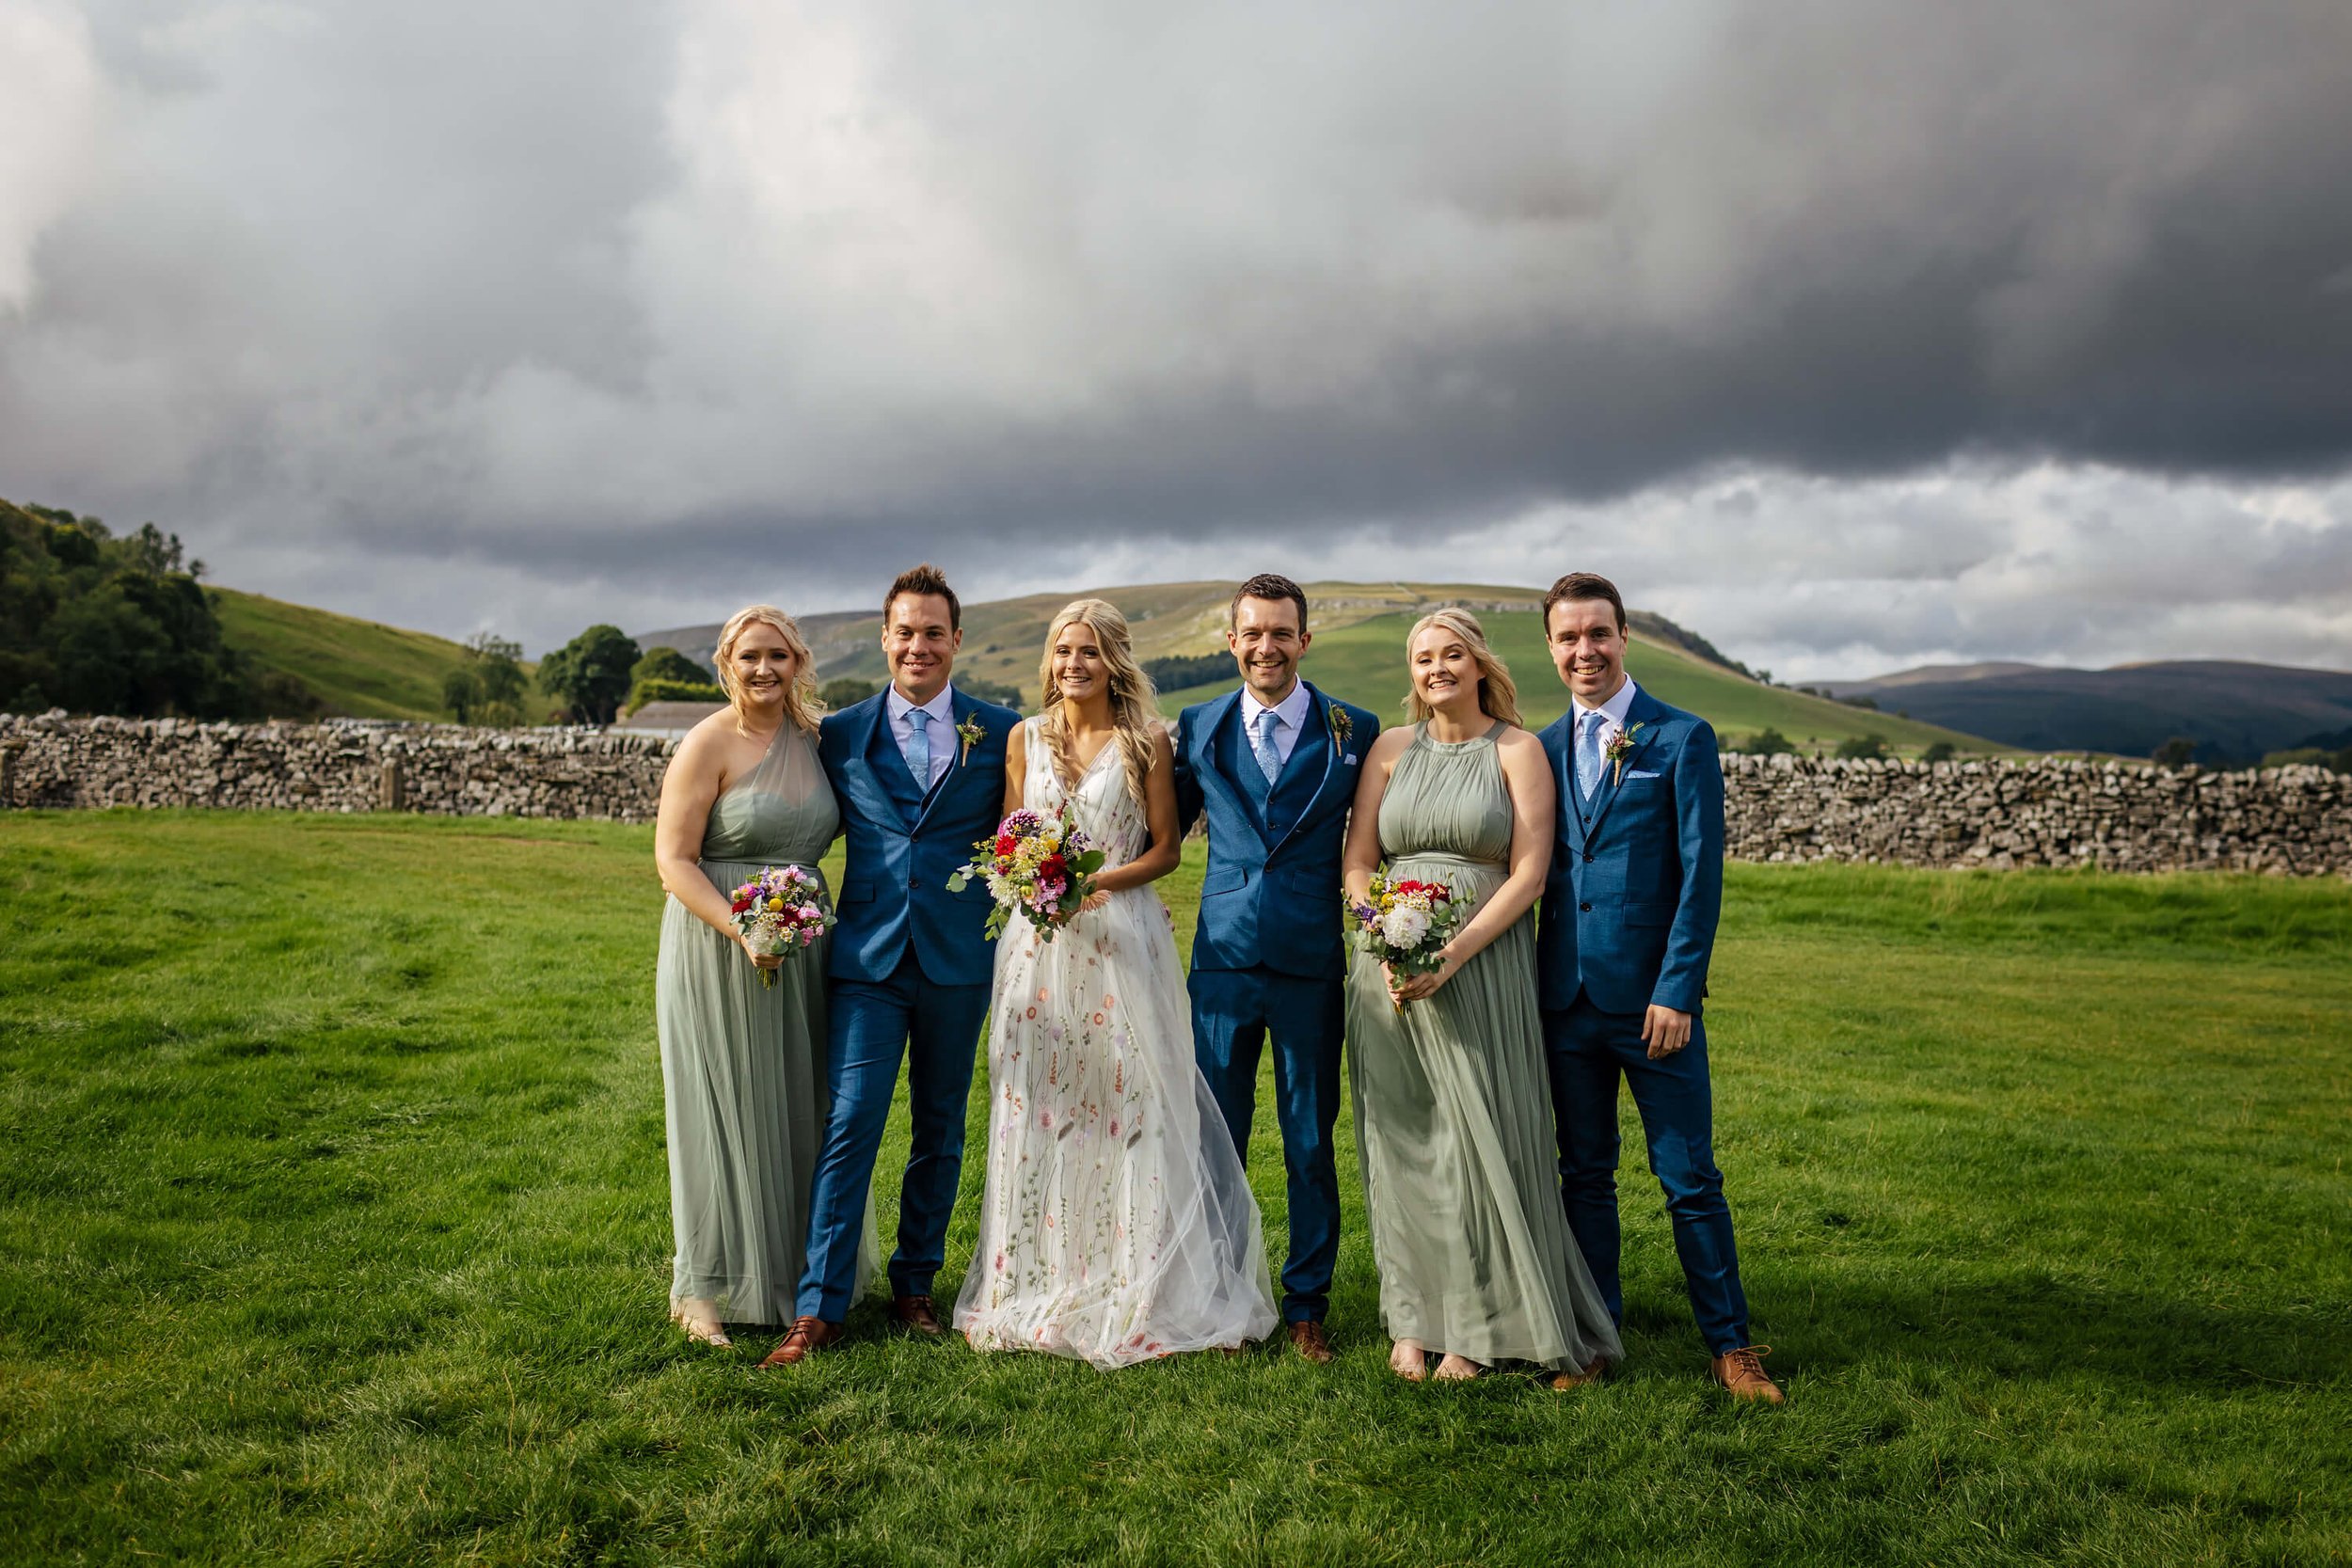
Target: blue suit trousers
{"points": [[1233, 1010], [1588, 1048], [873, 1025]]}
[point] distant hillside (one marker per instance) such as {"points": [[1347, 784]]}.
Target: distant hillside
{"points": [[1358, 653], [360, 668], [2236, 712]]}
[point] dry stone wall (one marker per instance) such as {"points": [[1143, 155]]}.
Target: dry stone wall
{"points": [[2116, 816]]}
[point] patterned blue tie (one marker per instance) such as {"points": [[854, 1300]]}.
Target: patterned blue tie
{"points": [[1262, 742], [1588, 753], [918, 747]]}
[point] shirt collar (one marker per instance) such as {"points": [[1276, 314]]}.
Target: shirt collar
{"points": [[941, 709], [1291, 710], [1615, 709]]}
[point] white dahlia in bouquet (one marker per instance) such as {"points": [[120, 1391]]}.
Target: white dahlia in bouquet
{"points": [[1404, 923], [781, 913], [1039, 866]]}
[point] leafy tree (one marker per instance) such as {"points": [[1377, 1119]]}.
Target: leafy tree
{"points": [[1941, 751], [590, 675], [2179, 751], [1767, 743], [1179, 671], [844, 690], [461, 692], [1862, 748], [989, 691], [668, 664]]}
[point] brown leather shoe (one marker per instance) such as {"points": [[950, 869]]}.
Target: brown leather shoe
{"points": [[1742, 1372], [807, 1335], [916, 1312], [1581, 1379], [1310, 1341]]}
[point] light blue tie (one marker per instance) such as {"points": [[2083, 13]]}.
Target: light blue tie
{"points": [[1262, 742], [1588, 753], [918, 747]]}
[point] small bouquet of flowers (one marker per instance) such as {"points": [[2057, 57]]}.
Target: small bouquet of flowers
{"points": [[1037, 865], [781, 912], [1403, 924]]}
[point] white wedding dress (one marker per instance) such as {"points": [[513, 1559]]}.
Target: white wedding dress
{"points": [[1118, 1226]]}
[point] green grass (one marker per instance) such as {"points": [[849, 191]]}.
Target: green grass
{"points": [[1364, 662], [333, 1228], [360, 668]]}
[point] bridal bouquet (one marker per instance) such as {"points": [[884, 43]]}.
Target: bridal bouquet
{"points": [[1037, 865], [780, 912], [1404, 924]]}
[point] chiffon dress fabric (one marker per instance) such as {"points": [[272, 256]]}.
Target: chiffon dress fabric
{"points": [[1453, 1101], [1118, 1223], [743, 1064]]}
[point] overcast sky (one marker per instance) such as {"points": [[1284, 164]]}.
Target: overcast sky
{"points": [[1854, 336]]}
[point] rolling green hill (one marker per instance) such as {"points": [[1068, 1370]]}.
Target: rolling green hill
{"points": [[357, 668]]}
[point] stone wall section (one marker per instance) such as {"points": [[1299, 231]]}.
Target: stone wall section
{"points": [[2118, 817]]}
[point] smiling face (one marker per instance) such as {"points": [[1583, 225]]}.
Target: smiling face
{"points": [[1445, 671], [763, 666], [1587, 648], [1080, 672], [920, 640], [1267, 641]]}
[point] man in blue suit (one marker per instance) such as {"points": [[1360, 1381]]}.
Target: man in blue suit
{"points": [[1628, 929], [1275, 766], [919, 774]]}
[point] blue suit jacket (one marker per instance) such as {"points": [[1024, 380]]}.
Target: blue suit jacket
{"points": [[902, 848], [1630, 904], [1270, 900]]}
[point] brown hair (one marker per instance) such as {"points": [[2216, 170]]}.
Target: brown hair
{"points": [[1268, 585], [1498, 694], [801, 705], [1584, 585], [925, 580], [1135, 709]]}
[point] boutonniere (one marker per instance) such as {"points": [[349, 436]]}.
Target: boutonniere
{"points": [[971, 734], [1616, 748], [1342, 726]]}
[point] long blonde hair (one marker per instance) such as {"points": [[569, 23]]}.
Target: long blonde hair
{"points": [[801, 705], [1134, 703], [1498, 696]]}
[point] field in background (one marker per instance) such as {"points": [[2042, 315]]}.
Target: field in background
{"points": [[334, 1227], [356, 667]]}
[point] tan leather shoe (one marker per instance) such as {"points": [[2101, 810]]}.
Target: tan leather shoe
{"points": [[916, 1313], [1742, 1372], [1583, 1378], [1310, 1341], [807, 1335]]}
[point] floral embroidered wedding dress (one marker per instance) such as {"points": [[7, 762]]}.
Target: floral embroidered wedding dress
{"points": [[1118, 1225]]}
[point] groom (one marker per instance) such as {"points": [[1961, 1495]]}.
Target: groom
{"points": [[1275, 766], [1628, 929], [919, 774]]}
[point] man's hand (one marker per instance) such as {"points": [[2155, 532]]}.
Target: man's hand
{"points": [[1665, 1031]]}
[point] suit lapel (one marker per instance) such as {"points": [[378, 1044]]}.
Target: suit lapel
{"points": [[960, 708], [904, 795], [1206, 767], [1316, 714], [1643, 712], [1564, 764]]}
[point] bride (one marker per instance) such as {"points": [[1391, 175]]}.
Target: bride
{"points": [[1118, 1225]]}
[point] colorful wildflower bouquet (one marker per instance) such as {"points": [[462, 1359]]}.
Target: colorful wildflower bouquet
{"points": [[1404, 924], [1037, 865], [781, 913]]}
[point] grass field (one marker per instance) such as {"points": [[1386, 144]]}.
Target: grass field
{"points": [[333, 1228], [360, 668]]}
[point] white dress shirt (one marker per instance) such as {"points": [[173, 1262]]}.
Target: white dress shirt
{"points": [[1613, 711], [943, 737], [1289, 717]]}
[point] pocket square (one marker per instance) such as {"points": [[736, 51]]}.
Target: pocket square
{"points": [[1638, 773]]}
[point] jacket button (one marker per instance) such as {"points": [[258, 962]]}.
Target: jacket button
{"points": [[914, 882], [1588, 857], [1586, 908]]}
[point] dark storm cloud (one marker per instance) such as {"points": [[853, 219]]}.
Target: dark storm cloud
{"points": [[621, 309]]}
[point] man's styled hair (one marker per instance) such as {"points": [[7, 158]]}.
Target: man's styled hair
{"points": [[1584, 585], [1268, 585], [923, 581]]}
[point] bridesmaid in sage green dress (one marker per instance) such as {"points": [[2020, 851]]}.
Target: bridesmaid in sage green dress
{"points": [[743, 1064], [1453, 1104]]}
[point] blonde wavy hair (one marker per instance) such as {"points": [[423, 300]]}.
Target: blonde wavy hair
{"points": [[801, 705], [1497, 695], [1134, 703]]}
